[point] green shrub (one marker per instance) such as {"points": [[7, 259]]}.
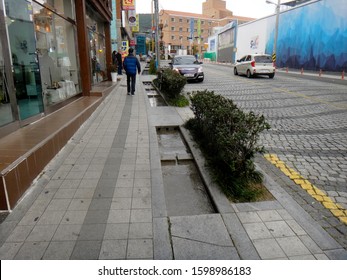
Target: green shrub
{"points": [[228, 137], [171, 83], [152, 69]]}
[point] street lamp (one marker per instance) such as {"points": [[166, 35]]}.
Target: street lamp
{"points": [[276, 26]]}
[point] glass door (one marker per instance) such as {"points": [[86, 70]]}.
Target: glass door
{"points": [[26, 72]]}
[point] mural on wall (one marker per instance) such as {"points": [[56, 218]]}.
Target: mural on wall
{"points": [[312, 37]]}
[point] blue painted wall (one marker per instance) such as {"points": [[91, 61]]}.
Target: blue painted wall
{"points": [[313, 36]]}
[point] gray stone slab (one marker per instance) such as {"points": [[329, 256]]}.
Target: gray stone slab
{"points": [[310, 244], [141, 216], [258, 206], [257, 231], [92, 232], [100, 203], [140, 230], [279, 229], [58, 204], [140, 249], [248, 217], [59, 250], [74, 217], [185, 249], [121, 203], [292, 246], [96, 217], [117, 231], [118, 216], [31, 251], [9, 250], [42, 233], [208, 228], [67, 233], [240, 238], [338, 254], [20, 233], [81, 203], [269, 215], [269, 249], [113, 250], [161, 239], [86, 250], [51, 217]]}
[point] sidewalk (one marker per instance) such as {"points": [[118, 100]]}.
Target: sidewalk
{"points": [[102, 197]]}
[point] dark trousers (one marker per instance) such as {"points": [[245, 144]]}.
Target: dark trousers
{"points": [[120, 68], [131, 80]]}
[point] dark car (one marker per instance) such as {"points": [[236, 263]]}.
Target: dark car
{"points": [[188, 66]]}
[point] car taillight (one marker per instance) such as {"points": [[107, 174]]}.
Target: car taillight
{"points": [[253, 63]]}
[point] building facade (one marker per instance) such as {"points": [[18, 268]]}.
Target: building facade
{"points": [[50, 51], [189, 32]]}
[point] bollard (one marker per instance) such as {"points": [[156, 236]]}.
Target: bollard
{"points": [[302, 71], [320, 72], [343, 75], [287, 69]]}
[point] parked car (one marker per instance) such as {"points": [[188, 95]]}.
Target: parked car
{"points": [[255, 64], [188, 66]]}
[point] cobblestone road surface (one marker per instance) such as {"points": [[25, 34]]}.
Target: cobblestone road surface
{"points": [[308, 133]]}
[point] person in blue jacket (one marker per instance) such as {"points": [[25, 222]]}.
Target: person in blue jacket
{"points": [[131, 65]]}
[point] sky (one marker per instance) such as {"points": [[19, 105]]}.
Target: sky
{"points": [[246, 8]]}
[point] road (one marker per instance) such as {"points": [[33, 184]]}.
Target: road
{"points": [[308, 135]]}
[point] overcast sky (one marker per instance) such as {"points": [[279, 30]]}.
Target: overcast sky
{"points": [[246, 8]]}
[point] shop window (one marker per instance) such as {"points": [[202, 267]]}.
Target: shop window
{"points": [[6, 115], [97, 47], [61, 7], [56, 50]]}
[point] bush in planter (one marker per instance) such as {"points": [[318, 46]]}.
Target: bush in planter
{"points": [[152, 69], [113, 68], [171, 83], [228, 138]]}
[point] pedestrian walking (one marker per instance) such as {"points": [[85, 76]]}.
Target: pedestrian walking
{"points": [[131, 65], [118, 57]]}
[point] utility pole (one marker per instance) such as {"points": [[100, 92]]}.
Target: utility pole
{"points": [[156, 18], [278, 5], [276, 29]]}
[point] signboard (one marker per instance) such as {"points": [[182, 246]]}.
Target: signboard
{"points": [[128, 4], [191, 29], [132, 17], [141, 44], [136, 28]]}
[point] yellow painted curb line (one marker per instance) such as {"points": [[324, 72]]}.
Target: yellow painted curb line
{"points": [[336, 209]]}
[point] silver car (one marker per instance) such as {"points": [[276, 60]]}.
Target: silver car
{"points": [[188, 66], [255, 64]]}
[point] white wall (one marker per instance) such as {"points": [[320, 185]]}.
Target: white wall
{"points": [[252, 36]]}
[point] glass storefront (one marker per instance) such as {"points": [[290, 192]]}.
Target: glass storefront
{"points": [[96, 38], [25, 68], [56, 51], [40, 38], [6, 115]]}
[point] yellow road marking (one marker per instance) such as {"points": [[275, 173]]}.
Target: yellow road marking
{"points": [[336, 209]]}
